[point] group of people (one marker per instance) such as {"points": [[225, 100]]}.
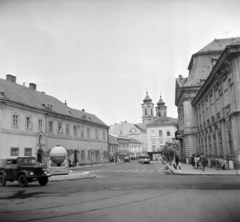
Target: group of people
{"points": [[198, 161]]}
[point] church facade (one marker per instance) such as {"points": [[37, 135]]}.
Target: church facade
{"points": [[160, 128]]}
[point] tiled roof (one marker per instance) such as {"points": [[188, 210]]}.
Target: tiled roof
{"points": [[140, 128], [163, 120], [219, 44], [200, 64], [16, 93], [181, 81], [133, 140]]}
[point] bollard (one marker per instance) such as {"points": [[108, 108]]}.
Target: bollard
{"points": [[179, 167]]}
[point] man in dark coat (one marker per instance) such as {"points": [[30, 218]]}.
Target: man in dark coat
{"points": [[202, 161]]}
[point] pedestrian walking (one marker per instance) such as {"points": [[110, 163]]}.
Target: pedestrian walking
{"points": [[202, 161], [177, 160], [196, 162], [192, 161]]}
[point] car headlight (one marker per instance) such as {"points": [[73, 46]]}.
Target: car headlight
{"points": [[45, 172], [30, 173]]}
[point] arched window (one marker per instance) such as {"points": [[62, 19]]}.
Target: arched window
{"points": [[145, 111], [151, 112]]}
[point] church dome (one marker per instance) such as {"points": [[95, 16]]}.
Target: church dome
{"points": [[147, 98], [160, 102]]}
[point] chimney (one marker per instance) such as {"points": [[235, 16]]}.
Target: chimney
{"points": [[32, 86], [214, 61], [83, 110], [65, 103], [11, 78]]}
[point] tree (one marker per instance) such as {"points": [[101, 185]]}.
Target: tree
{"points": [[168, 150]]}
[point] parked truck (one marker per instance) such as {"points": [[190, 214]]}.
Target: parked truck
{"points": [[22, 169]]}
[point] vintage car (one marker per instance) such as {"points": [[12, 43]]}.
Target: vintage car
{"points": [[22, 169], [126, 159], [143, 159]]}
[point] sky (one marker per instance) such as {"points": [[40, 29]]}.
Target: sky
{"points": [[104, 55]]}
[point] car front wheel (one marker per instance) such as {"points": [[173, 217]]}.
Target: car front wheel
{"points": [[2, 180], [22, 181], [43, 181]]}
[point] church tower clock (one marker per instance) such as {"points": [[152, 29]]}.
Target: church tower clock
{"points": [[147, 110]]}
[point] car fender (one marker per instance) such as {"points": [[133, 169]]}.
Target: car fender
{"points": [[25, 172], [3, 172]]}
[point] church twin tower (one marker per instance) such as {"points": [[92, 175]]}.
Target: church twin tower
{"points": [[148, 110]]}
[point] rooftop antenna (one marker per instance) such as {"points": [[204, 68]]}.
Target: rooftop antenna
{"points": [[226, 33]]}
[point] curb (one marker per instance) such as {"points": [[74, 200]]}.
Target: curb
{"points": [[209, 174], [71, 177], [196, 174]]}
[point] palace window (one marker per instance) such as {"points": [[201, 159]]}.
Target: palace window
{"points": [[215, 145], [75, 130], [40, 124], [225, 90], [88, 132], [206, 148], [207, 107], [50, 126], [203, 116], [104, 135], [28, 122], [220, 143], [200, 116], [210, 145], [82, 155], [28, 152], [96, 133], [14, 151], [60, 129], [168, 132], [152, 133], [15, 120], [160, 132], [82, 131], [212, 106], [67, 129]]}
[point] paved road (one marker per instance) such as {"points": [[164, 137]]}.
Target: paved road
{"points": [[125, 192]]}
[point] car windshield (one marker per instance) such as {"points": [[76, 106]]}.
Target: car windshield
{"points": [[27, 161]]}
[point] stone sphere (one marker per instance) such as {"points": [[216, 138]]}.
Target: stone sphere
{"points": [[58, 154]]}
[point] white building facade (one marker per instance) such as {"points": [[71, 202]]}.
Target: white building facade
{"points": [[32, 123]]}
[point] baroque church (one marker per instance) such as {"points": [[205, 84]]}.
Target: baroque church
{"points": [[160, 128]]}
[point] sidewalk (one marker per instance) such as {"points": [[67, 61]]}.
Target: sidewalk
{"points": [[188, 170]]}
